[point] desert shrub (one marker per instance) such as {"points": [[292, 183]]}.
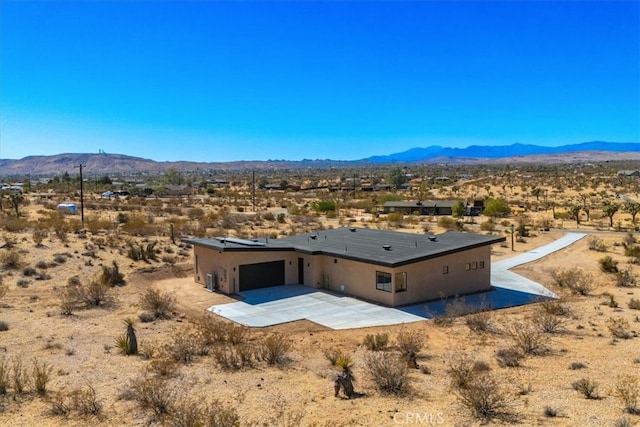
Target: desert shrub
{"points": [[483, 398], [4, 326], [235, 357], [410, 341], [619, 327], [59, 404], [163, 367], [448, 223], [10, 260], [154, 394], [183, 347], [168, 259], [634, 304], [627, 390], [388, 372], [509, 357], [608, 264], [626, 279], [623, 422], [633, 252], [274, 349], [376, 342], [332, 355], [3, 289], [462, 368], [577, 365], [489, 225], [479, 322], [14, 225], [41, 375], [29, 271], [529, 339], [587, 388], [576, 280], [96, 293], [38, 235], [146, 317], [59, 259], [42, 265], [111, 276], [555, 307], [5, 379], [19, 375], [550, 411], [210, 329], [597, 244], [23, 283], [548, 323], [191, 413], [86, 402], [236, 334], [160, 304]]}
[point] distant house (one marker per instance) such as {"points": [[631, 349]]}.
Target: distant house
{"points": [[437, 207], [630, 173], [387, 267]]}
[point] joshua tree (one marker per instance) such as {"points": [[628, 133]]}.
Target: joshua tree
{"points": [[610, 210], [128, 343], [345, 378]]}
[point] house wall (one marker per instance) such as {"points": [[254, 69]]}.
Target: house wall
{"points": [[426, 280], [225, 265]]}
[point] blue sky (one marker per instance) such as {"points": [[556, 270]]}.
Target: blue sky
{"points": [[222, 81]]}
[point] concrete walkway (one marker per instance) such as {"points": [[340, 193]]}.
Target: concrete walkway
{"points": [[282, 304]]}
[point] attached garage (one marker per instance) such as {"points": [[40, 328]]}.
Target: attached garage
{"points": [[261, 275]]}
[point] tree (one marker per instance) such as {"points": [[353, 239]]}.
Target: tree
{"points": [[16, 200], [173, 177], [459, 209], [536, 193], [574, 210], [397, 177], [610, 210], [632, 208], [497, 208]]}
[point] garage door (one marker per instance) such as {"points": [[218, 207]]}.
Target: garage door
{"points": [[261, 275]]}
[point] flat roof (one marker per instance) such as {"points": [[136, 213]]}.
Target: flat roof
{"points": [[380, 247]]}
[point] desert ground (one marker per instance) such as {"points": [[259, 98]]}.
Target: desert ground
{"points": [[581, 359]]}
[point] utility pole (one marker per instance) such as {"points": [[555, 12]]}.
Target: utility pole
{"points": [[512, 238], [81, 197], [253, 189]]}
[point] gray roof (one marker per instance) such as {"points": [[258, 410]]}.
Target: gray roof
{"points": [[426, 203], [381, 247]]}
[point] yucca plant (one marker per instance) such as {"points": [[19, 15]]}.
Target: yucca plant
{"points": [[127, 343]]}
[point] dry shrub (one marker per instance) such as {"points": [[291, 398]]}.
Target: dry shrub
{"points": [[5, 379], [160, 304], [376, 342], [480, 322], [555, 307], [410, 341], [626, 279], [10, 260], [483, 397], [163, 367], [587, 388], [111, 276], [509, 357], [96, 293], [628, 391], [332, 355], [234, 357], [529, 339], [19, 375], [634, 304], [463, 368], [193, 413], [575, 279], [154, 394], [59, 404], [86, 402], [388, 372], [41, 374], [619, 327], [185, 346], [274, 349], [548, 323]]}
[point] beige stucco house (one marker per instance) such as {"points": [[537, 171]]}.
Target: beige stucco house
{"points": [[387, 267]]}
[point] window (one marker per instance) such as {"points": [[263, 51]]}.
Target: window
{"points": [[401, 282], [445, 269], [474, 265], [467, 266], [481, 265], [383, 281]]}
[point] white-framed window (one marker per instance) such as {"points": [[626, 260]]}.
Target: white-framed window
{"points": [[383, 281]]}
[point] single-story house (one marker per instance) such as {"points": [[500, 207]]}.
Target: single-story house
{"points": [[387, 267], [438, 207]]}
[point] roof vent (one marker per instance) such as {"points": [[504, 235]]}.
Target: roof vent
{"points": [[432, 238], [386, 247], [352, 229]]}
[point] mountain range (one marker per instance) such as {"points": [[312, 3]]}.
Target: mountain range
{"points": [[103, 163]]}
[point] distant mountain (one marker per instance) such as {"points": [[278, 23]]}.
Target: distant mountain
{"points": [[478, 152], [119, 164]]}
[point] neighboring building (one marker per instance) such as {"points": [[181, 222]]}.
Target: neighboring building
{"points": [[67, 207], [634, 173], [386, 267], [438, 207]]}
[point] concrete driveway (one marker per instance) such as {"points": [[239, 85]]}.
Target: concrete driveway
{"points": [[282, 304]]}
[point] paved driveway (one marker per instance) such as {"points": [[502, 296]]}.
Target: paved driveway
{"points": [[282, 304]]}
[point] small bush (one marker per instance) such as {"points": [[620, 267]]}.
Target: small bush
{"points": [[59, 404], [41, 375], [529, 339], [574, 279], [376, 342], [275, 349], [597, 244], [587, 388], [550, 411], [5, 380], [4, 326], [479, 322], [10, 260], [111, 276], [410, 342], [388, 372], [626, 279], [548, 323], [634, 304], [628, 391], [160, 304], [608, 264], [86, 402], [59, 259], [146, 317], [42, 265], [332, 355], [509, 357], [153, 393], [483, 398], [183, 347], [19, 375], [577, 365], [463, 368], [96, 293], [29, 271], [619, 327]]}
